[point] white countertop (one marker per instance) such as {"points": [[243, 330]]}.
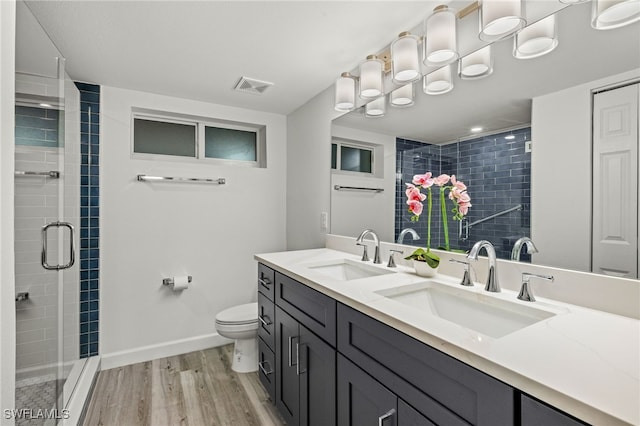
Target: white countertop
{"points": [[582, 361]]}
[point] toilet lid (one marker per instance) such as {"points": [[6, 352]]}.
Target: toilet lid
{"points": [[241, 314]]}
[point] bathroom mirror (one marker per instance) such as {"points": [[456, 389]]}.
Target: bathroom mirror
{"points": [[500, 103]]}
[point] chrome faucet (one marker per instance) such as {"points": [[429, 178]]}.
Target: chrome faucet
{"points": [[525, 291], [517, 248], [376, 240], [492, 279], [406, 231]]}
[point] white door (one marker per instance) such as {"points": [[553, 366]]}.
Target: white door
{"points": [[615, 182]]}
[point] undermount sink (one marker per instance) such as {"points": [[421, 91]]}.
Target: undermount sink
{"points": [[345, 270], [479, 312]]}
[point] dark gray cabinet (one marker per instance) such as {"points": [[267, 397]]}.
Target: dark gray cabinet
{"points": [[325, 363], [305, 382], [441, 388], [363, 401], [536, 413]]}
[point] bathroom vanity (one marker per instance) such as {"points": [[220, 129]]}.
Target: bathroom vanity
{"points": [[340, 345]]}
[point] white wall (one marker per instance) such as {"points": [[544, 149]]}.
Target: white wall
{"points": [[352, 212], [561, 175], [150, 231], [309, 170], [7, 291]]}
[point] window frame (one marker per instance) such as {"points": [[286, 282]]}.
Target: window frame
{"points": [[200, 123], [376, 154]]}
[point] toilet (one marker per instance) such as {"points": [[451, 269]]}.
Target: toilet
{"points": [[241, 324]]}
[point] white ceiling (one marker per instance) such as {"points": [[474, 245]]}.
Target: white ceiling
{"points": [[199, 49]]}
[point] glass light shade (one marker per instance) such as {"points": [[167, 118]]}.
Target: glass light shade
{"points": [[376, 108], [609, 14], [440, 45], [476, 65], [438, 82], [500, 19], [537, 39], [402, 96], [405, 63], [345, 99], [371, 77]]}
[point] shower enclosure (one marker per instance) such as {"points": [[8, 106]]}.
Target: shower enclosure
{"points": [[47, 211]]}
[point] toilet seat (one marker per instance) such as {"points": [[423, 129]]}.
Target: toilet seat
{"points": [[246, 314]]}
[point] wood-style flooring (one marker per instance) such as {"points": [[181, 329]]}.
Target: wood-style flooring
{"points": [[196, 389]]}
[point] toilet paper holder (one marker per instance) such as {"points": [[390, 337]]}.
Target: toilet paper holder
{"points": [[169, 281]]}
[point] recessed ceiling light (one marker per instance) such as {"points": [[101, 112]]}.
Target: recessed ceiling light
{"points": [[476, 129]]}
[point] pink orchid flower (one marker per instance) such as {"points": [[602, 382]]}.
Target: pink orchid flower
{"points": [[414, 194], [415, 207], [424, 180], [442, 180], [463, 207], [458, 183], [464, 198]]}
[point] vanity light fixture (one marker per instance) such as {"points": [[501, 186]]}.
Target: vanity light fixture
{"points": [[476, 65], [405, 63], [609, 14], [477, 129], [500, 18], [440, 45], [536, 39], [371, 77], [345, 99], [438, 82], [402, 96], [510, 137], [376, 108]]}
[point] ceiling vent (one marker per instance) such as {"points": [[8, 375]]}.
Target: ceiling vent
{"points": [[251, 85]]}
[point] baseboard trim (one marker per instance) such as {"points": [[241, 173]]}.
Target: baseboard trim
{"points": [[175, 347]]}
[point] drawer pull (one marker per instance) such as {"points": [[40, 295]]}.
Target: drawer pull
{"points": [[291, 364], [265, 322], [300, 370], [261, 364], [385, 416], [265, 282]]}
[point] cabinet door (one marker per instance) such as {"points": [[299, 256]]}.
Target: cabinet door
{"points": [[408, 416], [317, 380], [535, 413], [287, 383], [362, 401]]}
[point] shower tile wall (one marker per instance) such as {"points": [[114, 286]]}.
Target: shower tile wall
{"points": [[36, 204], [89, 218], [498, 175]]}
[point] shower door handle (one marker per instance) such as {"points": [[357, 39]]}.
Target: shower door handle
{"points": [[72, 247]]}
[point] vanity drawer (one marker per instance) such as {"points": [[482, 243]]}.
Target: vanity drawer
{"points": [[267, 369], [309, 307], [266, 281], [266, 315], [425, 378]]}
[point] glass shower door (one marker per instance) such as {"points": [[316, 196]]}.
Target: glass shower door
{"points": [[47, 210]]}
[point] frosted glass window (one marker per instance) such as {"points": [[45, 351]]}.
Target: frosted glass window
{"points": [[165, 138], [230, 144], [355, 159]]}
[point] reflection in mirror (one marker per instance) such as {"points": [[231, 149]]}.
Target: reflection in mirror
{"points": [[545, 104]]}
